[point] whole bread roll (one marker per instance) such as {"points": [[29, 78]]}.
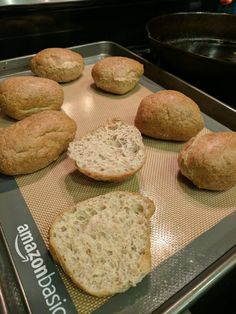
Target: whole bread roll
{"points": [[103, 243], [33, 143], [117, 75], [209, 160], [169, 115], [21, 96], [58, 64]]}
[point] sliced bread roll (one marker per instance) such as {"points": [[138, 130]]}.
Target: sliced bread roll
{"points": [[112, 152], [103, 243]]}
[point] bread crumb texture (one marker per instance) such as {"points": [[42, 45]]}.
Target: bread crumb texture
{"points": [[112, 152], [103, 243], [209, 160], [169, 115], [58, 64], [117, 75]]}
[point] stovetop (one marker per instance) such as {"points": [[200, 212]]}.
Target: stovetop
{"points": [[222, 88]]}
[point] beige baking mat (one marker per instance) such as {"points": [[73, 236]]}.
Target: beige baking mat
{"points": [[182, 211]]}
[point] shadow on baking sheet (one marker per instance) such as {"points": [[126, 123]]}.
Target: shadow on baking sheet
{"points": [[28, 179], [103, 93], [169, 146], [215, 200], [90, 188]]}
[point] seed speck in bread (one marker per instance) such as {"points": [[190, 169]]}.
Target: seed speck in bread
{"points": [[112, 152], [169, 115], [209, 160], [103, 243], [58, 64], [117, 75]]}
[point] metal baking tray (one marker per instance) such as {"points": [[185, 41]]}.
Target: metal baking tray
{"points": [[30, 281]]}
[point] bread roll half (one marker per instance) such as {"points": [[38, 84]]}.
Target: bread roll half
{"points": [[169, 115], [33, 143], [117, 75], [21, 96], [103, 243], [58, 64], [112, 152], [209, 160]]}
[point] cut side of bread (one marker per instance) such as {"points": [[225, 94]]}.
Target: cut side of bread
{"points": [[103, 243], [112, 152]]}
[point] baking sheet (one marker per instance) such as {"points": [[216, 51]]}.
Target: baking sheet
{"points": [[186, 220]]}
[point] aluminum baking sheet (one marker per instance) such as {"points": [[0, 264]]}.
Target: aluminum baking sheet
{"points": [[191, 228]]}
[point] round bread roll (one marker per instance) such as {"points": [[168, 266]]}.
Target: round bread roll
{"points": [[34, 142], [21, 96], [169, 115], [209, 160], [117, 75], [58, 64]]}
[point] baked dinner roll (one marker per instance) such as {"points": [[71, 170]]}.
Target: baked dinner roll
{"points": [[34, 142], [21, 96], [117, 75], [58, 64], [112, 152], [169, 115], [103, 243], [209, 160]]}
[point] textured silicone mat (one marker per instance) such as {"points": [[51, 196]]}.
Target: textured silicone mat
{"points": [[183, 212]]}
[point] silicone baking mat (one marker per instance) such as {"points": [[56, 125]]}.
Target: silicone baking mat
{"points": [[183, 213]]}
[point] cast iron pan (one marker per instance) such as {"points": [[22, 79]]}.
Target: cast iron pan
{"points": [[199, 44]]}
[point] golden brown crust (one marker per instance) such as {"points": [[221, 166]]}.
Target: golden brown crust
{"points": [[58, 64], [169, 115], [209, 160], [109, 178], [36, 141], [21, 96], [117, 75]]}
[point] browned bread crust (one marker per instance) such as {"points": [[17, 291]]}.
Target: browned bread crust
{"points": [[169, 115], [33, 143], [21, 96], [58, 64], [117, 75], [209, 160]]}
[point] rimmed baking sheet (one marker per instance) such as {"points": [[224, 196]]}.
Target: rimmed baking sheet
{"points": [[191, 228]]}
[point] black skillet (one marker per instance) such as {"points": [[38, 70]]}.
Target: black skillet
{"points": [[198, 44]]}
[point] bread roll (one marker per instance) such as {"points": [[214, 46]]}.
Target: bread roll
{"points": [[209, 160], [21, 96], [33, 143], [58, 64], [117, 75], [169, 115], [103, 243], [112, 152]]}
